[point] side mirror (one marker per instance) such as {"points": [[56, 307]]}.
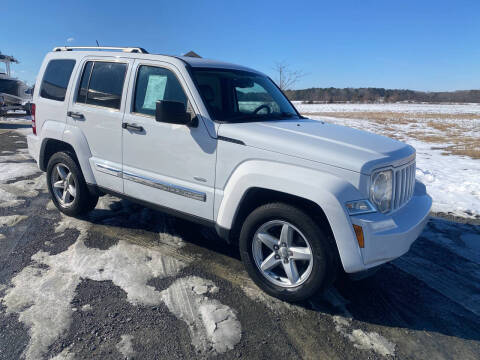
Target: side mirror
{"points": [[172, 112]]}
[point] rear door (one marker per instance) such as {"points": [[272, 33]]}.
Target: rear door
{"points": [[97, 108]]}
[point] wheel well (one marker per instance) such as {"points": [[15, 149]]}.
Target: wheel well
{"points": [[50, 147], [256, 197]]}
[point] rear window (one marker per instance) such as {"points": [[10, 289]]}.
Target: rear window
{"points": [[56, 78], [102, 84]]}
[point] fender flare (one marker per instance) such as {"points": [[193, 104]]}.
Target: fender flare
{"points": [[327, 190], [53, 130]]}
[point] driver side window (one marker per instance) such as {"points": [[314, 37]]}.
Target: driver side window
{"points": [[251, 98], [153, 84]]}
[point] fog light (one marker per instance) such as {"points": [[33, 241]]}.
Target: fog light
{"points": [[359, 234], [359, 207]]}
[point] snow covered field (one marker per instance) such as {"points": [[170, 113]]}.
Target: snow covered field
{"points": [[438, 132], [397, 107]]}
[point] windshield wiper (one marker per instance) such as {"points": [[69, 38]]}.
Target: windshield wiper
{"points": [[288, 115], [273, 116]]}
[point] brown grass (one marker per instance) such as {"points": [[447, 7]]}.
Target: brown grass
{"points": [[449, 136]]}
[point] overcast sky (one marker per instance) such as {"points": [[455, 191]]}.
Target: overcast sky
{"points": [[422, 45]]}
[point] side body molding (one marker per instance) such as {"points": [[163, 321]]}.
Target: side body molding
{"points": [[327, 190]]}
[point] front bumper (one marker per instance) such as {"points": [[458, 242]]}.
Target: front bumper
{"points": [[388, 236]]}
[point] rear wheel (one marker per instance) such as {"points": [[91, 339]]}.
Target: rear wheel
{"points": [[67, 186], [285, 252]]}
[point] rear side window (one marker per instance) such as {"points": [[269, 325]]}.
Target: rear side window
{"points": [[55, 79], [153, 84], [102, 84]]}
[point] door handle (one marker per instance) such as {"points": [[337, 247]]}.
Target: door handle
{"points": [[75, 115], [133, 127]]}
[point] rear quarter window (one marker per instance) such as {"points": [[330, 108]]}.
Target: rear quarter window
{"points": [[56, 78]]}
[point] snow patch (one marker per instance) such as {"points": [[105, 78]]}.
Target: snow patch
{"points": [[362, 339], [14, 158], [372, 340], [11, 220], [66, 354], [214, 327], [7, 199], [10, 171], [105, 202], [125, 346], [50, 205], [23, 131], [86, 307], [10, 193]]}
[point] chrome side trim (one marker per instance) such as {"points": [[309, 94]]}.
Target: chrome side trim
{"points": [[108, 170], [175, 189]]}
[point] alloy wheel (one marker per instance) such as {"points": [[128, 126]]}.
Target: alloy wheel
{"points": [[63, 185], [282, 254]]}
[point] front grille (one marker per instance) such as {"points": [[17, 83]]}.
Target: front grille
{"points": [[404, 184]]}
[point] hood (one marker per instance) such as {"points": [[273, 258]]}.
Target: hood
{"points": [[322, 142]]}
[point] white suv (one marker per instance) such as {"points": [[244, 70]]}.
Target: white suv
{"points": [[220, 144]]}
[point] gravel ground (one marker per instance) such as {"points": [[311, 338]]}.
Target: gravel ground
{"points": [[129, 282]]}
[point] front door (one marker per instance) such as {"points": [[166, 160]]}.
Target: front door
{"points": [[97, 109], [165, 164]]}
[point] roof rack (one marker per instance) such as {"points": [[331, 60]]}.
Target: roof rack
{"points": [[124, 49]]}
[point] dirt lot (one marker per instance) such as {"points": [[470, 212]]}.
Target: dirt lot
{"points": [[129, 282]]}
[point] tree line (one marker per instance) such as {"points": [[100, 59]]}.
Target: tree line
{"points": [[376, 95]]}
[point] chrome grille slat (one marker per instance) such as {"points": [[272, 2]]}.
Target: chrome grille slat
{"points": [[397, 190], [405, 196], [409, 179], [404, 185]]}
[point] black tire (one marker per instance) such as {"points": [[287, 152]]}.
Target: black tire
{"points": [[324, 265], [84, 201]]}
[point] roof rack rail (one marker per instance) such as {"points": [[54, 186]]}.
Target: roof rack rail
{"points": [[124, 49]]}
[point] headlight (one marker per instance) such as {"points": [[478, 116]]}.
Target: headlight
{"points": [[381, 190]]}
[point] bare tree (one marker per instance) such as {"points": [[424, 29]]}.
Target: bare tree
{"points": [[285, 77]]}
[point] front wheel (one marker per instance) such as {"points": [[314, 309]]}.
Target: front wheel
{"points": [[285, 252]]}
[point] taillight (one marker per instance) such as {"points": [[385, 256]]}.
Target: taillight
{"points": [[34, 125]]}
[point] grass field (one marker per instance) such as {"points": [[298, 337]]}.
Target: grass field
{"points": [[446, 137]]}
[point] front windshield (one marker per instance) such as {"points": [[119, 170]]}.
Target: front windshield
{"points": [[233, 95]]}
